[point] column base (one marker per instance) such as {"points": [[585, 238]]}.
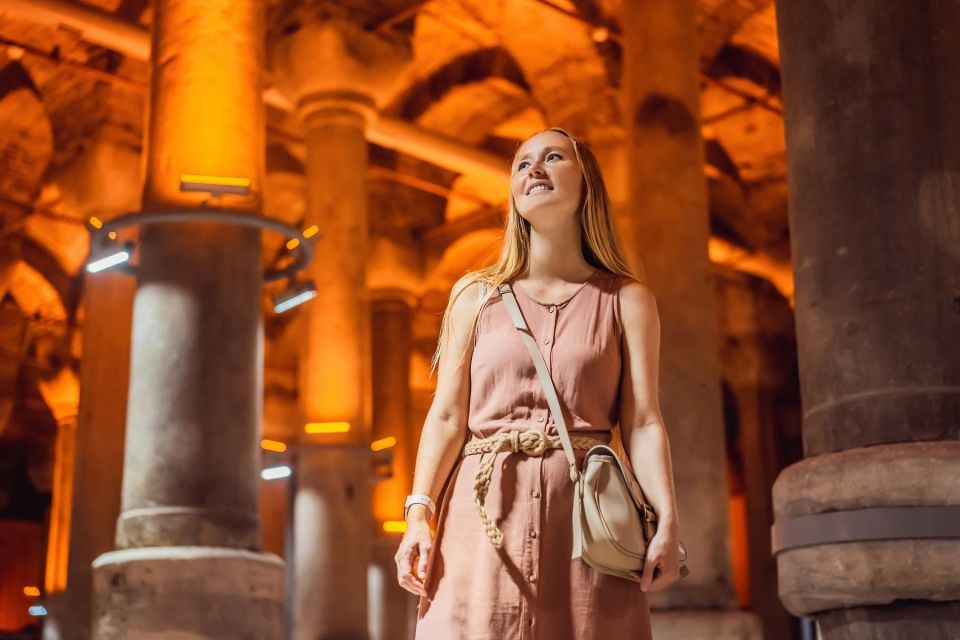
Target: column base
{"points": [[902, 620], [188, 592], [706, 624]]}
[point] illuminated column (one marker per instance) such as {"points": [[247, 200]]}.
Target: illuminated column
{"points": [[873, 146], [62, 395], [187, 563], [335, 73], [393, 281], [666, 229]]}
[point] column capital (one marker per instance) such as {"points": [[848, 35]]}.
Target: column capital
{"points": [[332, 68], [62, 395]]}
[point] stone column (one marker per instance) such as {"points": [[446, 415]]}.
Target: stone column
{"points": [[104, 372], [187, 563], [336, 74], [873, 142], [393, 280], [62, 395], [666, 229]]}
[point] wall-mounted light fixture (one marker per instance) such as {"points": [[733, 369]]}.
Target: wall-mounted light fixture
{"points": [[106, 254]]}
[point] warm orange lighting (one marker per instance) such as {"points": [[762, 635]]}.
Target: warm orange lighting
{"points": [[292, 244], [395, 526], [327, 427], [219, 181], [383, 443], [600, 34], [112, 235], [31, 592], [273, 445], [311, 231], [96, 222]]}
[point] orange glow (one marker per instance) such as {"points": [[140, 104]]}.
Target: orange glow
{"points": [[311, 231], [112, 235], [395, 526], [292, 244], [383, 443], [96, 222], [219, 181], [740, 549], [327, 427], [273, 445], [31, 592]]}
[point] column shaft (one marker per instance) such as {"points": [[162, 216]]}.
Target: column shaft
{"points": [[873, 133], [666, 230], [189, 522]]}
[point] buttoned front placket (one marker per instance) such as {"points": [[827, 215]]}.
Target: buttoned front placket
{"points": [[542, 421]]}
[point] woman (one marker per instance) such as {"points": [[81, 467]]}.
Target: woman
{"points": [[512, 576]]}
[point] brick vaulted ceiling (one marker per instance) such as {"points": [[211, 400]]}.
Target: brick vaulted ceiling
{"points": [[484, 73]]}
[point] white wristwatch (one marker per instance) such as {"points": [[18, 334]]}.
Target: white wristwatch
{"points": [[419, 498]]}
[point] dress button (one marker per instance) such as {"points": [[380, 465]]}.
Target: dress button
{"points": [[551, 308], [532, 578], [533, 533], [540, 419], [547, 341], [535, 493]]}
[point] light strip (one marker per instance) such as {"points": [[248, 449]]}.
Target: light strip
{"points": [[109, 261], [273, 445], [275, 473], [383, 443], [298, 299], [327, 427], [394, 526]]}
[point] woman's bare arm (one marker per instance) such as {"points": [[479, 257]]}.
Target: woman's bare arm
{"points": [[443, 434], [641, 423]]}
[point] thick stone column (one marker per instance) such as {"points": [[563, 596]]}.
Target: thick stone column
{"points": [[666, 229], [394, 280], [104, 373], [335, 73], [873, 142], [187, 562]]}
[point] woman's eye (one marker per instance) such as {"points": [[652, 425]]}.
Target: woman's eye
{"points": [[553, 153], [523, 163]]}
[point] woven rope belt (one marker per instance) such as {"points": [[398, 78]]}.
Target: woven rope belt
{"points": [[532, 443]]}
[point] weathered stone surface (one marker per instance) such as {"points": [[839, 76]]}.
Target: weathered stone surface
{"points": [[874, 572], [188, 593], [894, 475]]}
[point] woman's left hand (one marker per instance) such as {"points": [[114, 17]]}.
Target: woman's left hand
{"points": [[662, 566]]}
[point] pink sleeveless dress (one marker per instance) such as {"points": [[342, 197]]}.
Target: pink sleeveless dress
{"points": [[531, 587]]}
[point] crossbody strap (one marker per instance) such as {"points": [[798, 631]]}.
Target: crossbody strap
{"points": [[506, 292]]}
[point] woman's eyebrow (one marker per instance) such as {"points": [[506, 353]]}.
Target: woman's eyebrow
{"points": [[551, 147]]}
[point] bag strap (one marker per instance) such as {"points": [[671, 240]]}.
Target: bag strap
{"points": [[506, 292]]}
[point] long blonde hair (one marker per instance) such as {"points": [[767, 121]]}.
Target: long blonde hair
{"points": [[599, 241]]}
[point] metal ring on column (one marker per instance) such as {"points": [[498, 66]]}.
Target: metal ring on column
{"points": [[874, 523], [303, 250]]}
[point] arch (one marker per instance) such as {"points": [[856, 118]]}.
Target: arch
{"points": [[489, 62]]}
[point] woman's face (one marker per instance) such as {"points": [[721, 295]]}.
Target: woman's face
{"points": [[545, 181]]}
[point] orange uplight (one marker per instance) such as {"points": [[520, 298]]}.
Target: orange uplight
{"points": [[112, 235], [394, 526], [383, 443], [96, 222], [217, 181], [273, 445], [31, 592], [311, 231], [292, 244], [327, 427]]}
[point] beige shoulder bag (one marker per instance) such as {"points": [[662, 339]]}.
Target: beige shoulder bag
{"points": [[612, 521]]}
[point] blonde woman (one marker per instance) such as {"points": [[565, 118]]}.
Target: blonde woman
{"points": [[500, 566]]}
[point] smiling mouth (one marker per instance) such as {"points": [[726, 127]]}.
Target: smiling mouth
{"points": [[539, 188]]}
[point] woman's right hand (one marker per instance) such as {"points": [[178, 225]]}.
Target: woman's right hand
{"points": [[414, 553]]}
